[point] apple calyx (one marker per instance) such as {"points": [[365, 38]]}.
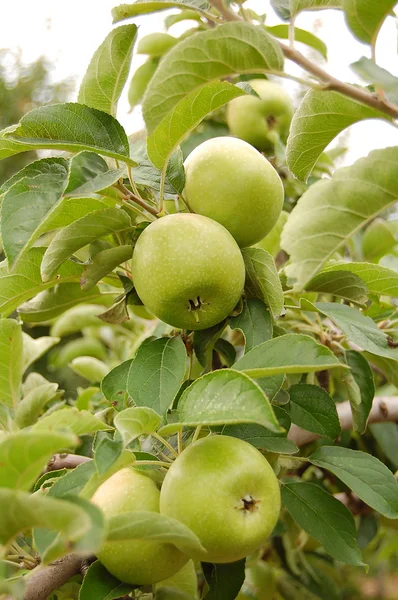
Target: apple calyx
{"points": [[249, 504]]}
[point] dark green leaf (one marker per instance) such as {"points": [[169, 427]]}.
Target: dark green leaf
{"points": [[114, 385], [386, 435], [378, 279], [103, 263], [99, 584], [262, 438], [224, 581], [204, 341], [254, 322], [340, 283], [313, 409], [262, 280], [363, 376], [89, 173]]}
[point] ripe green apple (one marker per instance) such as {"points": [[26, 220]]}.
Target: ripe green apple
{"points": [[188, 271], [231, 182], [135, 561], [260, 121], [226, 492]]}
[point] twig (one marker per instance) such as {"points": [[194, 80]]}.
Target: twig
{"points": [[65, 461], [44, 580], [130, 196], [384, 409], [330, 83]]}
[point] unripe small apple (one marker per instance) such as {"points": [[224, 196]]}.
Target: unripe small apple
{"points": [[143, 561], [188, 271], [260, 120], [227, 493], [231, 182]]}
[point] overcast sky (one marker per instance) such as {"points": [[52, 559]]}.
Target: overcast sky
{"points": [[68, 33]]}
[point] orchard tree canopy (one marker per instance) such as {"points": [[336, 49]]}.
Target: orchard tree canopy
{"points": [[199, 320]]}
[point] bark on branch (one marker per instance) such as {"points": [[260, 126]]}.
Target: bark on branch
{"points": [[385, 408], [45, 580], [65, 461]]}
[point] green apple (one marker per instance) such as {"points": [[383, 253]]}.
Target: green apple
{"points": [[188, 271], [231, 182], [261, 581], [260, 121], [135, 561], [226, 492]]}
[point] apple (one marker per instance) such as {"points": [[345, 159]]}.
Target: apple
{"points": [[138, 562], [261, 121], [188, 271], [231, 182], [261, 581], [226, 492]]}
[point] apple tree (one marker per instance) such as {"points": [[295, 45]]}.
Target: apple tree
{"points": [[199, 320]]}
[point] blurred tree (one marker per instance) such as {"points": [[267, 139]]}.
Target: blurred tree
{"points": [[22, 88]]}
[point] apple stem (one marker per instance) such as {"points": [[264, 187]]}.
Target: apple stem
{"points": [[165, 443], [196, 434], [154, 463], [179, 441]]}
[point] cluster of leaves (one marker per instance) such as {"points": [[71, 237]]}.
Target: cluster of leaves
{"points": [[317, 324]]}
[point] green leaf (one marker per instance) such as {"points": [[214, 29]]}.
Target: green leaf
{"points": [[99, 584], [156, 373], [21, 511], [185, 116], [290, 8], [378, 279], [363, 376], [183, 15], [386, 435], [10, 147], [77, 318], [261, 438], [338, 208], [320, 117], [31, 406], [89, 173], [79, 234], [89, 367], [35, 197], [144, 7], [70, 210], [364, 474], [204, 341], [156, 44], [224, 581], [73, 127], [324, 518], [220, 398], [204, 57], [358, 328], [272, 241], [34, 348], [103, 263], [114, 385], [136, 421], [24, 455], [143, 525], [140, 80], [254, 322], [46, 166], [78, 421], [175, 171], [11, 361], [108, 70], [74, 481], [107, 452], [312, 408], [262, 280], [340, 283], [290, 353], [300, 35], [379, 77], [365, 18]]}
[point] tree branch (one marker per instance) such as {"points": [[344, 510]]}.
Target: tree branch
{"points": [[384, 409], [44, 580], [330, 83], [65, 461]]}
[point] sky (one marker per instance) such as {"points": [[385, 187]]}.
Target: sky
{"points": [[68, 33]]}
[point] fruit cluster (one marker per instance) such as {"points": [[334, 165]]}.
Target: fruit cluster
{"points": [[187, 268], [222, 488]]}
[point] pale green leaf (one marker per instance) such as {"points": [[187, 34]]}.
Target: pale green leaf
{"points": [[70, 418], [332, 210], [365, 17], [185, 116], [204, 57], [79, 234], [364, 474], [108, 70], [386, 435], [290, 353], [140, 80], [142, 7], [290, 8], [254, 322], [300, 35], [156, 373], [77, 318], [34, 196], [321, 116], [114, 385], [136, 421], [262, 280], [156, 44], [378, 279], [220, 398], [24, 455], [70, 210], [343, 284], [103, 263], [89, 173], [370, 72], [324, 518], [141, 525], [11, 361], [99, 584], [72, 127], [312, 409], [32, 404], [34, 348], [89, 367]]}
